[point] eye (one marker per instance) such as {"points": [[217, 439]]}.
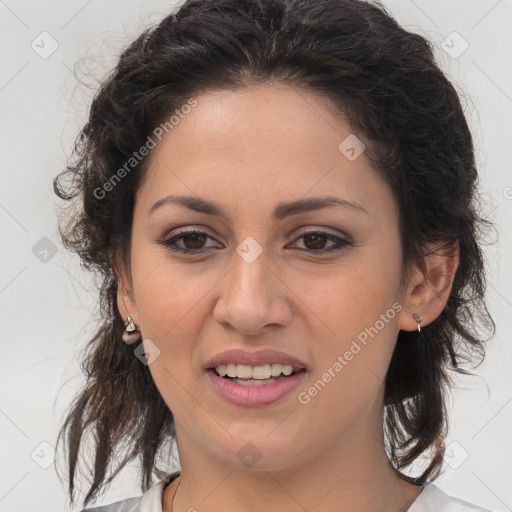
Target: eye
{"points": [[314, 242], [193, 241]]}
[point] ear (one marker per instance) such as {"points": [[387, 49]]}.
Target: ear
{"points": [[429, 288], [125, 296]]}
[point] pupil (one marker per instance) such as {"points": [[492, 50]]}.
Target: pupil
{"points": [[316, 238], [197, 238]]}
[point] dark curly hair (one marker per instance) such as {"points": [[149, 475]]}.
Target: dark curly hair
{"points": [[384, 80]]}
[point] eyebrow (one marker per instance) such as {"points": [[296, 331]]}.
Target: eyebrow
{"points": [[281, 211]]}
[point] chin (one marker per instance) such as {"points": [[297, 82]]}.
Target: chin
{"points": [[260, 453]]}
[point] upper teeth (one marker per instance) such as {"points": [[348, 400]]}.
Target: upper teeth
{"points": [[243, 371]]}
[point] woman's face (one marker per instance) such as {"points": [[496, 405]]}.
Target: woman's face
{"points": [[256, 280]]}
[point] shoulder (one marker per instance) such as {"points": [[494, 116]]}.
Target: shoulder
{"points": [[150, 501], [433, 499], [127, 505]]}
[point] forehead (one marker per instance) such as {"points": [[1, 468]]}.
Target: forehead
{"points": [[260, 142]]}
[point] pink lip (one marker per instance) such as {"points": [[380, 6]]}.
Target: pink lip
{"points": [[255, 396], [260, 357]]}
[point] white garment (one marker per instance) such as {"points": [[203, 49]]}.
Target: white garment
{"points": [[431, 499]]}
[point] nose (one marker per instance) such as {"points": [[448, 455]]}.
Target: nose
{"points": [[252, 297]]}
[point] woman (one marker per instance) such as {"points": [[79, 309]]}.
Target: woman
{"points": [[280, 198]]}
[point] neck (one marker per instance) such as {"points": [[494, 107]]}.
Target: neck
{"points": [[353, 475]]}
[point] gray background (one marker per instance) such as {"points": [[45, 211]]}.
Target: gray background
{"points": [[47, 300]]}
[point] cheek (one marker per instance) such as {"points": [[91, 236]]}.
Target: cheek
{"points": [[166, 295], [169, 307], [351, 366], [358, 318], [352, 297]]}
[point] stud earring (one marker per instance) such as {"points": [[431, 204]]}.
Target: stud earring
{"points": [[131, 334], [418, 321]]}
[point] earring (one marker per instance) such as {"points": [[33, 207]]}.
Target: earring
{"points": [[131, 334], [418, 320]]}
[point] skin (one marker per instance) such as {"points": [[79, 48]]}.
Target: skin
{"points": [[247, 151]]}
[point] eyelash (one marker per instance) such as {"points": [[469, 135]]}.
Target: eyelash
{"points": [[169, 242]]}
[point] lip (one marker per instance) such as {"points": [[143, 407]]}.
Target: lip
{"points": [[254, 358], [255, 396]]}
